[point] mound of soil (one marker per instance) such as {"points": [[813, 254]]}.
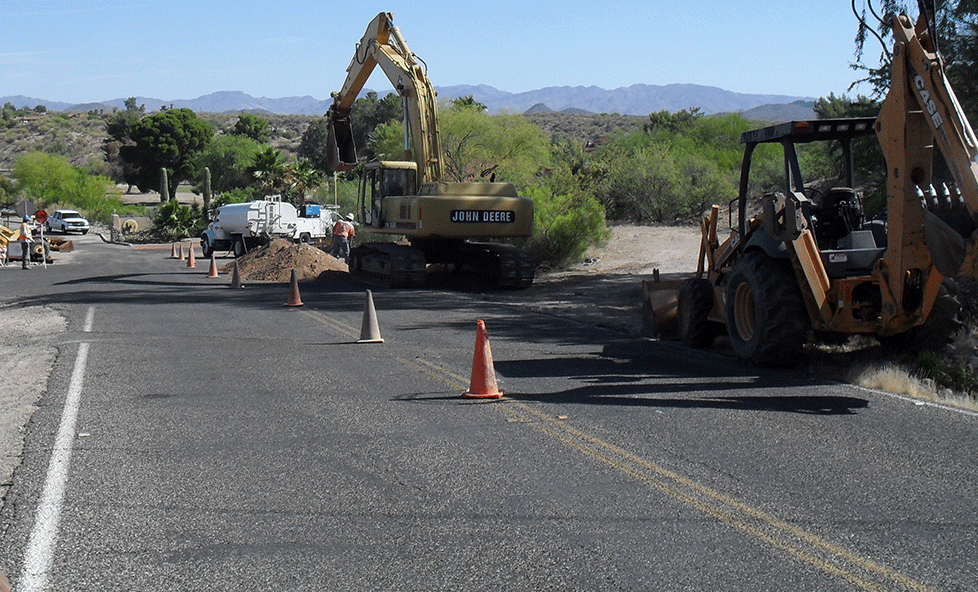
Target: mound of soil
{"points": [[275, 262]]}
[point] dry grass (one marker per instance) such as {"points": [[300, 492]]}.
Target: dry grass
{"points": [[892, 378]]}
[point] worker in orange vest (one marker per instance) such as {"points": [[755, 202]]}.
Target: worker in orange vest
{"points": [[343, 231], [25, 238]]}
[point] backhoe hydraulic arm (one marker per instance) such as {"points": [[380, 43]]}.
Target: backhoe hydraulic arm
{"points": [[921, 111]]}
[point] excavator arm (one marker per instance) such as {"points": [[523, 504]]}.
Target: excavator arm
{"points": [[919, 112], [382, 45]]}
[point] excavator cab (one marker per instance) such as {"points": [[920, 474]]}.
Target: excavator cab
{"points": [[383, 179]]}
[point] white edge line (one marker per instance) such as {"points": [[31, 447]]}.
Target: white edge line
{"points": [[39, 555]]}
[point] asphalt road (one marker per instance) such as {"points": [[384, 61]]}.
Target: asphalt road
{"points": [[194, 437]]}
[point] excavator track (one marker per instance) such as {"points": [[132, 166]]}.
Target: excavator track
{"points": [[503, 266], [395, 266], [402, 266]]}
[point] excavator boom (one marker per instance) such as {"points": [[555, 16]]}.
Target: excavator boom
{"points": [[383, 45]]}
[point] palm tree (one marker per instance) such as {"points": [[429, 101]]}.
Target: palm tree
{"points": [[304, 178], [269, 170]]}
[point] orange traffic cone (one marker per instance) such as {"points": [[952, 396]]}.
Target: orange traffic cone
{"points": [[294, 299], [235, 276], [369, 331], [191, 262], [212, 272], [173, 250], [181, 252], [483, 383]]}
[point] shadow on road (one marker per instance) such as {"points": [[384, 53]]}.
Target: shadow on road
{"points": [[640, 373]]}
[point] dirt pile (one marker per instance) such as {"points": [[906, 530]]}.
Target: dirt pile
{"points": [[275, 262]]}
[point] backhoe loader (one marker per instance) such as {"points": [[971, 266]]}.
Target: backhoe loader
{"points": [[411, 197], [809, 262]]}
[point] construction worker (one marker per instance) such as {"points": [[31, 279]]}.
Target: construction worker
{"points": [[343, 231], [25, 238]]}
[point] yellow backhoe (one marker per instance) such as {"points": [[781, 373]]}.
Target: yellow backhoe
{"points": [[809, 262], [411, 198]]}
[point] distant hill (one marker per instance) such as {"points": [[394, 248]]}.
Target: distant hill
{"points": [[638, 99]]}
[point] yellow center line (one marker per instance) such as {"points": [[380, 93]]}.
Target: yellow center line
{"points": [[805, 546], [338, 326]]}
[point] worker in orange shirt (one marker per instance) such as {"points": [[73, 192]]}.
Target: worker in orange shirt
{"points": [[25, 238], [343, 231]]}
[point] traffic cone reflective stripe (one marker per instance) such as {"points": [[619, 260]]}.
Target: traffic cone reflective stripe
{"points": [[369, 331], [294, 299], [212, 272], [483, 383]]}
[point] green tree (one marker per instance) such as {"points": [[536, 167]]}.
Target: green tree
{"points": [[386, 142], [369, 112], [51, 180], [468, 102], [477, 145], [229, 158], [252, 126], [171, 139], [673, 123], [119, 127], [313, 144]]}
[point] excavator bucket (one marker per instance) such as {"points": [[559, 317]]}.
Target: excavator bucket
{"points": [[341, 152]]}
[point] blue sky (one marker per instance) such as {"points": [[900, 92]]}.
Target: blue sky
{"points": [[89, 50]]}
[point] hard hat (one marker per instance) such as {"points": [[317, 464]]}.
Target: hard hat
{"points": [[27, 218], [349, 217]]}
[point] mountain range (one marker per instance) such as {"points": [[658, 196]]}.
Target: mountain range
{"points": [[637, 99]]}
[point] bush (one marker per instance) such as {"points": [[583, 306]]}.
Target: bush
{"points": [[564, 225], [178, 221]]}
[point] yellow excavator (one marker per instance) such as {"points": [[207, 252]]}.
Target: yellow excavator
{"points": [[441, 220], [809, 262]]}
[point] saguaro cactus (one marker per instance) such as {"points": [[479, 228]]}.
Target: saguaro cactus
{"points": [[207, 192], [164, 186]]}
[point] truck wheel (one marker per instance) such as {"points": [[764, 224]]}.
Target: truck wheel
{"points": [[304, 238], [205, 246], [766, 316], [693, 306], [238, 246]]}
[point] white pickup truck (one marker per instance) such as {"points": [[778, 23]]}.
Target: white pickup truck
{"points": [[244, 226]]}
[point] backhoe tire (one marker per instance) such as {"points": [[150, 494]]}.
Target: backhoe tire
{"points": [[693, 306], [766, 316]]}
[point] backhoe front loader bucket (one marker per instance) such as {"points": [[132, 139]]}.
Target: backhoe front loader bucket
{"points": [[659, 299]]}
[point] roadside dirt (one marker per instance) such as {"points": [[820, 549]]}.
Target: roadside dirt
{"points": [[606, 289]]}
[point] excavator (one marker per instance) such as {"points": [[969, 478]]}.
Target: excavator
{"points": [[809, 263], [411, 198]]}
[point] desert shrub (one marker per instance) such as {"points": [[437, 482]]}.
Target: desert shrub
{"points": [[177, 221], [565, 224]]}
